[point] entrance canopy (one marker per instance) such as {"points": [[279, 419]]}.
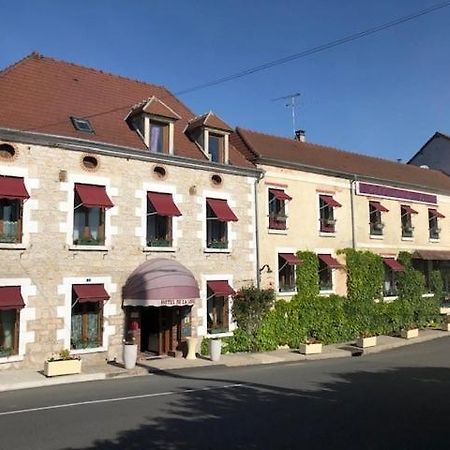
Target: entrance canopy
{"points": [[160, 282]]}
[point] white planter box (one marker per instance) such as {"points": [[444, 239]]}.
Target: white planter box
{"points": [[410, 334], [446, 327], [64, 367], [215, 349], [310, 349], [366, 342], [130, 355]]}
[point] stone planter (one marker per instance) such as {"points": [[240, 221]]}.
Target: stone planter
{"points": [[215, 348], [62, 367], [310, 349], [365, 342], [446, 327], [410, 334], [192, 347], [129, 355]]}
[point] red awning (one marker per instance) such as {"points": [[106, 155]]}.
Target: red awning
{"points": [[330, 201], [394, 264], [93, 196], [11, 298], [377, 206], [13, 188], [221, 209], [90, 293], [163, 204], [221, 288], [409, 210], [290, 258], [279, 194], [330, 261], [436, 213]]}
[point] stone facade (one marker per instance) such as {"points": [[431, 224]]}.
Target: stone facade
{"points": [[46, 264]]}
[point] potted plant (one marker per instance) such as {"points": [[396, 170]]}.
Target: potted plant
{"points": [[366, 339], [410, 331], [311, 346], [62, 364], [130, 352]]}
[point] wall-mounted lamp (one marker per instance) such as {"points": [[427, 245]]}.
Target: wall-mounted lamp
{"points": [[265, 266]]}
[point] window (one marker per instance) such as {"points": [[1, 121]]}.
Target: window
{"points": [[82, 124], [218, 306], [218, 214], [216, 147], [375, 222], [406, 221], [391, 267], [326, 208], [287, 265], [87, 316], [325, 277], [277, 209], [11, 302], [160, 210], [433, 223], [90, 205], [425, 267], [159, 137], [12, 195]]}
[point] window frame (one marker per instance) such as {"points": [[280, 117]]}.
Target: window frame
{"points": [[325, 269], [406, 222], [433, 226], [17, 237], [160, 221], [221, 147], [390, 277], [291, 275], [210, 298], [277, 211], [15, 334], [221, 243], [80, 209], [376, 225], [327, 221], [166, 129], [83, 125]]}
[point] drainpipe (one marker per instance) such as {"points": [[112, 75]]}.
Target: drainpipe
{"points": [[255, 193], [352, 209]]}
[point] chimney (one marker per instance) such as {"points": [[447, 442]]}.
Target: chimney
{"points": [[300, 135]]}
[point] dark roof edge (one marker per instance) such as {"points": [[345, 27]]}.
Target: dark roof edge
{"points": [[347, 175], [82, 145], [436, 134]]}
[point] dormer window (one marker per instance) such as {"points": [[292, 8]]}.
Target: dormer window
{"points": [[154, 122], [212, 135]]}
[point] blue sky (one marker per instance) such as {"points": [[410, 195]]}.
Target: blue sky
{"points": [[383, 95]]}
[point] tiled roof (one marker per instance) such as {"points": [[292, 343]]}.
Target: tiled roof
{"points": [[255, 145], [39, 94], [209, 120]]}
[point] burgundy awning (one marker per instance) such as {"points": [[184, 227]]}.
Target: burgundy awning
{"points": [[11, 298], [290, 258], [394, 264], [330, 261], [221, 288], [93, 196], [330, 201], [409, 210], [279, 194], [161, 282], [13, 188], [377, 206], [435, 213], [90, 293], [221, 209], [163, 204]]}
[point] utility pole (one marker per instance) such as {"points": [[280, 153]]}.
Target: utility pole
{"points": [[292, 105]]}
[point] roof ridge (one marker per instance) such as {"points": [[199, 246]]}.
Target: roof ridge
{"points": [[31, 55], [412, 167]]}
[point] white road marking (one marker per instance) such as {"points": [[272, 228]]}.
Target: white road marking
{"points": [[117, 399]]}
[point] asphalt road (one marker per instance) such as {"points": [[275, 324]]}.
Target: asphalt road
{"points": [[394, 400]]}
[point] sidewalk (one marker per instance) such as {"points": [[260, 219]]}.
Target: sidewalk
{"points": [[24, 379]]}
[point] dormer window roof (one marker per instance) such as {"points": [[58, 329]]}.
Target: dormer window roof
{"points": [[211, 134], [154, 121]]}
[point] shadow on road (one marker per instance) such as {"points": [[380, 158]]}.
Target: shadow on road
{"points": [[402, 408]]}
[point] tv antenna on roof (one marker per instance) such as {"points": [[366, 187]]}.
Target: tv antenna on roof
{"points": [[292, 105]]}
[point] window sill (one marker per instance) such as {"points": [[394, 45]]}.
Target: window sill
{"points": [[6, 246], [85, 351], [434, 240], [11, 359], [159, 249], [326, 293], [286, 293], [216, 250], [390, 299], [407, 239], [428, 295], [273, 231], [380, 237], [88, 248], [326, 234], [219, 335]]}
